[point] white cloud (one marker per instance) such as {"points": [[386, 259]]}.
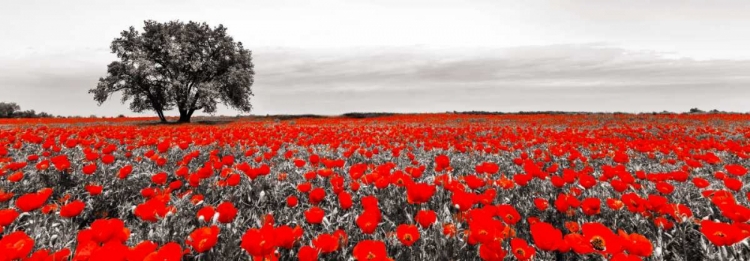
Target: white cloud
{"points": [[591, 77]]}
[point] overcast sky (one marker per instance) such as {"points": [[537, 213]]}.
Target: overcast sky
{"points": [[330, 57]]}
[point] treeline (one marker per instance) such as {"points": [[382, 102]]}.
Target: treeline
{"points": [[691, 111], [12, 110]]}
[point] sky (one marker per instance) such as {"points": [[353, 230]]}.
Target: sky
{"points": [[332, 57]]}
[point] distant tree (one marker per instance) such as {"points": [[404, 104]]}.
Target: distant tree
{"points": [[12, 110], [695, 110], [7, 109], [190, 66], [44, 115], [25, 114]]}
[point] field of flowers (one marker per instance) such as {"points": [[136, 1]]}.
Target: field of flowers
{"points": [[404, 187]]}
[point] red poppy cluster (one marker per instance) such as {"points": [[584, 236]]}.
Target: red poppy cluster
{"points": [[403, 187]]}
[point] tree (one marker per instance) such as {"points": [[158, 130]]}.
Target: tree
{"points": [[190, 66], [7, 109]]}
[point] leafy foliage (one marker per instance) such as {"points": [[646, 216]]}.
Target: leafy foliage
{"points": [[7, 109], [190, 66], [13, 110]]}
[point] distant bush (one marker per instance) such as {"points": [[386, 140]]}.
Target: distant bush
{"points": [[7, 110], [364, 115], [12, 110], [294, 117]]}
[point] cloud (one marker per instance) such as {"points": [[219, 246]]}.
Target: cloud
{"points": [[554, 66], [588, 77]]}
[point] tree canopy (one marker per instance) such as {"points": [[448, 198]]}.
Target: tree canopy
{"points": [[13, 110], [190, 66], [7, 109]]}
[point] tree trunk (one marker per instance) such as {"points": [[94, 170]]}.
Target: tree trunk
{"points": [[184, 116], [161, 116], [190, 113], [158, 108]]}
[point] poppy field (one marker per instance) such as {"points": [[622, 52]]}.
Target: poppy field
{"points": [[398, 187]]}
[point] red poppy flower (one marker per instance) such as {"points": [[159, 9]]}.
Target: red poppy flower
{"points": [[89, 169], [484, 229], [61, 162], [153, 209], [286, 236], [370, 202], [546, 237], [307, 253], [733, 184], [299, 163], [418, 193], [491, 251], [663, 223], [169, 252], [15, 177], [634, 203], [259, 242], [509, 214], [370, 250], [205, 213], [72, 209], [227, 212], [326, 243], [317, 195], [615, 204], [125, 171], [7, 216], [591, 206], [664, 187], [141, 250], [291, 201], [159, 178], [449, 230], [407, 234], [5, 196], [474, 182], [105, 230], [345, 200], [521, 249], [174, 185], [304, 187], [736, 169], [204, 238], [600, 239], [636, 244], [16, 245], [61, 254], [463, 200], [314, 215], [572, 226], [33, 201], [541, 204], [93, 189], [442, 162], [227, 160], [368, 221], [720, 234], [426, 218]]}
